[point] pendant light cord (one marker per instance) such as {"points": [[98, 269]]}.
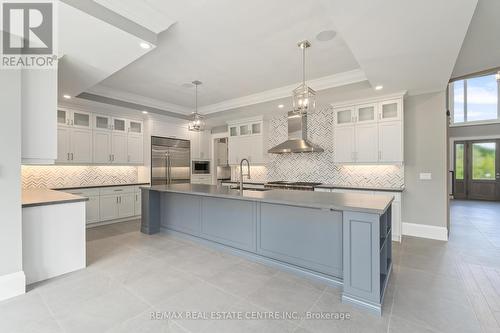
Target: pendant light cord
{"points": [[303, 64]]}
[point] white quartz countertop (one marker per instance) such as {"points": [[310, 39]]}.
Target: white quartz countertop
{"points": [[323, 200], [42, 197]]}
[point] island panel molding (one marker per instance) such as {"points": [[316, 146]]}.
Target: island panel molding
{"points": [[73, 176]]}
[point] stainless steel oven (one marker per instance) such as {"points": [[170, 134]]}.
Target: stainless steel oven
{"points": [[200, 167]]}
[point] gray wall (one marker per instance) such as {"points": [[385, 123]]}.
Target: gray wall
{"points": [[425, 201], [10, 173], [474, 131]]}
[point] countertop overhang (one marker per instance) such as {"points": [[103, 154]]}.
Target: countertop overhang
{"points": [[44, 197], [356, 202]]}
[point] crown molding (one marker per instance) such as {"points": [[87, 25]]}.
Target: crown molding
{"points": [[325, 82], [108, 92], [399, 94], [322, 83]]}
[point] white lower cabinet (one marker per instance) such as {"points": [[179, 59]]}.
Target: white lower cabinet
{"points": [[126, 205], [110, 203], [396, 206], [138, 201], [109, 207], [92, 210], [92, 206]]}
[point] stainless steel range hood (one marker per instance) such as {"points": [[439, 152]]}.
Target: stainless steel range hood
{"points": [[297, 137]]}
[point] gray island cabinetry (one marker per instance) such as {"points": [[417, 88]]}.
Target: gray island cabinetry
{"points": [[342, 238]]}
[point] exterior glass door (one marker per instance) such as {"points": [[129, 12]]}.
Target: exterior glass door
{"points": [[477, 170]]}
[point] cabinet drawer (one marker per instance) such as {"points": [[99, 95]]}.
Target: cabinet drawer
{"points": [[117, 190]]}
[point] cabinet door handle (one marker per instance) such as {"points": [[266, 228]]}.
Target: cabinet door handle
{"points": [[72, 156], [67, 158], [116, 199]]}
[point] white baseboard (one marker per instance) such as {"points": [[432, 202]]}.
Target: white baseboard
{"points": [[425, 231], [12, 285]]}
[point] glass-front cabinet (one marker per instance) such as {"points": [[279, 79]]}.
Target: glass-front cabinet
{"points": [[390, 110], [344, 116], [366, 113], [73, 118], [102, 122], [251, 128], [135, 127], [119, 125]]}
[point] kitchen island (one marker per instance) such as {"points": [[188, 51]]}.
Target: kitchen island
{"points": [[342, 238]]}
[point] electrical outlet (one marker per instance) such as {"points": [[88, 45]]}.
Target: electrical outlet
{"points": [[425, 176]]}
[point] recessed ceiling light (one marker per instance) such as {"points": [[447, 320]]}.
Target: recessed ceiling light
{"points": [[281, 106], [67, 96], [379, 87], [145, 112], [145, 45], [326, 35]]}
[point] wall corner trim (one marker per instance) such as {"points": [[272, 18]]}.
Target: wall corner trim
{"points": [[425, 231], [11, 285]]}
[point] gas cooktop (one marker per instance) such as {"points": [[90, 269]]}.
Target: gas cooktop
{"points": [[308, 186]]}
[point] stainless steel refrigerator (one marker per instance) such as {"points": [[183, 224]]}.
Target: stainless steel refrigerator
{"points": [[170, 161]]}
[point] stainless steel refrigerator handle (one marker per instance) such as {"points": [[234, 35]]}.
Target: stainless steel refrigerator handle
{"points": [[167, 166], [169, 170]]}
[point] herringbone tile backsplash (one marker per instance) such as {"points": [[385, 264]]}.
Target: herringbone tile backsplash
{"points": [[319, 167], [67, 176]]}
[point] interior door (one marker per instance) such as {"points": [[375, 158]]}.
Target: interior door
{"points": [[483, 169]]}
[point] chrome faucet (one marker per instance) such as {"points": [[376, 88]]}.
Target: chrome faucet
{"points": [[241, 173]]}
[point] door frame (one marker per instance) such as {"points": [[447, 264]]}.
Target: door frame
{"points": [[453, 140]]}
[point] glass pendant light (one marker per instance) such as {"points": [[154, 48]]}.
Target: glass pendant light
{"points": [[304, 98], [196, 124]]}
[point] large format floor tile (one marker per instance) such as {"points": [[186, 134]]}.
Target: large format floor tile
{"points": [[134, 281]]}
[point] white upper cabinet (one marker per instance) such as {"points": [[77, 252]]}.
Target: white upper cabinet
{"points": [[102, 122], [366, 113], [344, 116], [247, 139], [81, 145], [135, 127], [200, 145], [119, 125], [390, 110], [102, 147], [119, 149], [366, 143], [369, 132], [390, 141], [86, 138], [344, 148], [74, 137]]}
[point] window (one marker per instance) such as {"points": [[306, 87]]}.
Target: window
{"points": [[459, 161], [483, 161], [475, 99]]}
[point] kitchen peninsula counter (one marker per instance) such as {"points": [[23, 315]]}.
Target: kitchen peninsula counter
{"points": [[341, 238]]}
